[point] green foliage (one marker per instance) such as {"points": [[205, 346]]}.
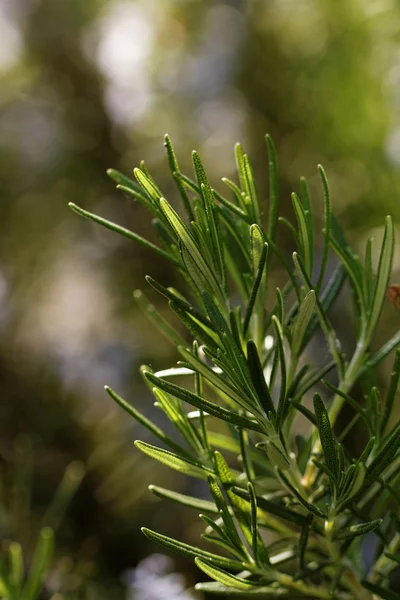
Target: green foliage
{"points": [[247, 372]]}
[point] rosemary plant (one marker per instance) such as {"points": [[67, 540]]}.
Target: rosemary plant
{"points": [[287, 514]]}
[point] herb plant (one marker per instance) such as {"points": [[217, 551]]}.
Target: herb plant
{"points": [[288, 515]]}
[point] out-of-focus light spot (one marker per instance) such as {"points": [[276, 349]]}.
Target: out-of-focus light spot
{"points": [[125, 41], [153, 579], [120, 44], [393, 146], [268, 342], [11, 42], [3, 295], [73, 312]]}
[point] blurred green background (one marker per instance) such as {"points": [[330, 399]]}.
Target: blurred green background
{"points": [[92, 84]]}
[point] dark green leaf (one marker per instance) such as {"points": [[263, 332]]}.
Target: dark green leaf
{"points": [[380, 592], [124, 232], [391, 394], [326, 436], [258, 379], [191, 551], [203, 404]]}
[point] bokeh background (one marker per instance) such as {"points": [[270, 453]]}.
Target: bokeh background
{"points": [[91, 84]]}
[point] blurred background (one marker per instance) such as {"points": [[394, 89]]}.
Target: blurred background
{"points": [[87, 85]]}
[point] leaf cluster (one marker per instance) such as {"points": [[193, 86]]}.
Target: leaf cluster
{"points": [[286, 514]]}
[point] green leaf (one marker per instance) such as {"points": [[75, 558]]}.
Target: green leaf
{"points": [[259, 550], [349, 260], [160, 323], [223, 590], [258, 379], [192, 502], [383, 352], [174, 168], [203, 404], [304, 242], [256, 287], [170, 294], [306, 203], [238, 370], [189, 243], [232, 207], [354, 483], [283, 400], [148, 185], [310, 507], [200, 332], [379, 591], [303, 541], [124, 232], [369, 277], [391, 394], [383, 459], [191, 551], [230, 527], [304, 411], [273, 188], [140, 418], [327, 228], [313, 378], [237, 194], [178, 463], [326, 436], [223, 576], [40, 562], [356, 530], [394, 557], [328, 296], [326, 327], [383, 276], [214, 378], [16, 575], [353, 403], [303, 318]]}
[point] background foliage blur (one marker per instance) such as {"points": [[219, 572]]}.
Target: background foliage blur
{"points": [[87, 85]]}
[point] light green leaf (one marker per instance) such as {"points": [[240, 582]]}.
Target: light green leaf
{"points": [[327, 229], [188, 241], [223, 576], [192, 502], [302, 321], [174, 168], [273, 188], [183, 465], [304, 242], [191, 551], [40, 562], [383, 276]]}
